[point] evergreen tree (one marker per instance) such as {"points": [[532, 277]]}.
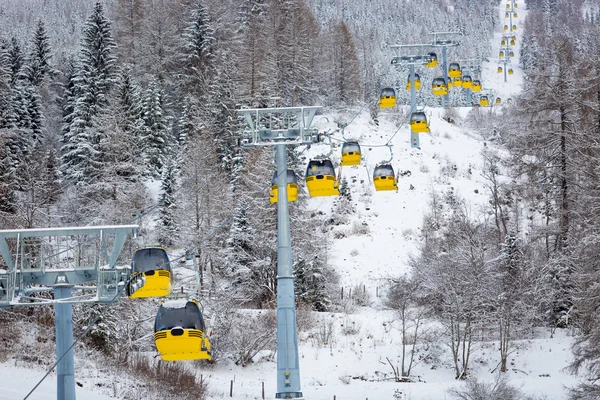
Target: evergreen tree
{"points": [[104, 334], [240, 239], [156, 134], [98, 61], [128, 145], [38, 63], [8, 176], [6, 107], [82, 153], [225, 124], [198, 50], [310, 284], [168, 230], [185, 125], [130, 117], [33, 106], [16, 61], [70, 94]]}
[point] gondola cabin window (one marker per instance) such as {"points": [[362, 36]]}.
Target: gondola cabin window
{"points": [[179, 314]]}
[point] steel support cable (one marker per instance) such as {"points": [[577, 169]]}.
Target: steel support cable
{"points": [[378, 145]]}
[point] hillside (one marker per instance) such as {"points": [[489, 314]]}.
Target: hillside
{"points": [[350, 351]]}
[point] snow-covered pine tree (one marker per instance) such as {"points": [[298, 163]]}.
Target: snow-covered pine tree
{"points": [[168, 229], [512, 299], [185, 125], [129, 120], [310, 283], [16, 59], [81, 160], [8, 177], [156, 135], [32, 103], [98, 60], [236, 255], [70, 94], [103, 335], [6, 108], [38, 61], [198, 51], [225, 123]]}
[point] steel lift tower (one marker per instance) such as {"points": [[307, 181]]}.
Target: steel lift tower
{"points": [[444, 40], [411, 55], [469, 66], [76, 265], [282, 127]]}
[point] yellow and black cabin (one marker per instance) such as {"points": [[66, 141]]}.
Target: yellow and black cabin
{"points": [[320, 178], [418, 122], [292, 187], [180, 332], [439, 87], [454, 70], [384, 178], [387, 99], [433, 60], [151, 270], [350, 154]]}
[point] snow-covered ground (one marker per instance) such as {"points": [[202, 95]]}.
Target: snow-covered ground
{"points": [[352, 363]]}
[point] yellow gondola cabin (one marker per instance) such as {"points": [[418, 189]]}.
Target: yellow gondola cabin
{"points": [[292, 187], [418, 122], [432, 63], [180, 332], [454, 70], [387, 99], [467, 82], [320, 178], [439, 87], [417, 82], [151, 269], [384, 178], [350, 154]]}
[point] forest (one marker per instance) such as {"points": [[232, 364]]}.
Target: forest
{"points": [[100, 102]]}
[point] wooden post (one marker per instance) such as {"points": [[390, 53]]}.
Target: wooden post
{"points": [[263, 390], [231, 389], [350, 293], [342, 293]]}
